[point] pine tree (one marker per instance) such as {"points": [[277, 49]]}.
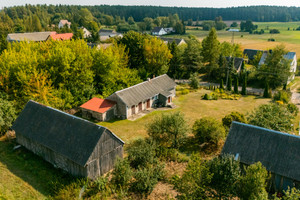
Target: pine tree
{"points": [[210, 48], [244, 90], [236, 85], [229, 84]]}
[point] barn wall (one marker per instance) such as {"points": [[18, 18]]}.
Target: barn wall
{"points": [[104, 155], [121, 106], [52, 157]]}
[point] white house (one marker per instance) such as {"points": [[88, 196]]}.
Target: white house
{"points": [[169, 30], [159, 31], [291, 56], [105, 34], [64, 22], [86, 33]]}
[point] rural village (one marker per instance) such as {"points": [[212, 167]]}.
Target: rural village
{"points": [[149, 102]]}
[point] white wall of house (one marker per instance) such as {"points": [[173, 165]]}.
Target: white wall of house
{"points": [[161, 32]]}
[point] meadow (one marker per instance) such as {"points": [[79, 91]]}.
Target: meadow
{"points": [[290, 38]]}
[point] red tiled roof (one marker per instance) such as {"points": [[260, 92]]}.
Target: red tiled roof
{"points": [[98, 105], [62, 36]]}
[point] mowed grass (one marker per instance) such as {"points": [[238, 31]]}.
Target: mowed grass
{"points": [[192, 106], [290, 38]]}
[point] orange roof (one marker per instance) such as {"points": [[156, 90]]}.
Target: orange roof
{"points": [[98, 105], [62, 36]]}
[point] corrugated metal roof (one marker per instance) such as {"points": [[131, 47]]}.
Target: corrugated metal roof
{"points": [[288, 56], [156, 29], [63, 133], [35, 36], [278, 152], [145, 90]]}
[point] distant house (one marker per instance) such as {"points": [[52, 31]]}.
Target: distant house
{"points": [[105, 34], [278, 152], [169, 30], [100, 109], [251, 53], [158, 31], [178, 41], [237, 63], [75, 145], [62, 23], [35, 36], [155, 92], [61, 36], [291, 56], [86, 33]]}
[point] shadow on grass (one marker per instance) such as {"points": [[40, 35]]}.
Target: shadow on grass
{"points": [[32, 169]]}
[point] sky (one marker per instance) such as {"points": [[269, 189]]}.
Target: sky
{"points": [[178, 3]]}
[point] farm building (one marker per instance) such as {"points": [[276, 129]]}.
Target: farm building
{"points": [[68, 142], [105, 34], [35, 36], [278, 152], [156, 92], [63, 23], [159, 31], [100, 109]]}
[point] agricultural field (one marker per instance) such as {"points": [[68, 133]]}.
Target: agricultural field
{"points": [[26, 176], [290, 38]]}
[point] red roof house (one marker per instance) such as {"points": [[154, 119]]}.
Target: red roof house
{"points": [[61, 36], [100, 109]]}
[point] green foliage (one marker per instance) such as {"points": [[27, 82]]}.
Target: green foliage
{"points": [[194, 82], [185, 91], [175, 69], [229, 84], [236, 85], [233, 116], [230, 50], [283, 96], [122, 174], [208, 130], [244, 87], [210, 48], [267, 92], [141, 154], [225, 174], [252, 185], [168, 129], [222, 85], [292, 108], [274, 31], [211, 96], [272, 116], [248, 26], [194, 182], [289, 194], [7, 115]]}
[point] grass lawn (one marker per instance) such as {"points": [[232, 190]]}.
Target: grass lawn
{"points": [[192, 106]]}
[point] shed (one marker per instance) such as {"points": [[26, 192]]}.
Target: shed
{"points": [[34, 36], [100, 109], [278, 152], [75, 145]]}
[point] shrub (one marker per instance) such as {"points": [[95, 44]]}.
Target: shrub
{"points": [[208, 130], [7, 115], [283, 96], [141, 154], [267, 92], [211, 96], [274, 31], [194, 82], [168, 129], [185, 91], [293, 109], [233, 116], [253, 184], [271, 40], [121, 174]]}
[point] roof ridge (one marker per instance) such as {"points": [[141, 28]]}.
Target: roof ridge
{"points": [[139, 84]]}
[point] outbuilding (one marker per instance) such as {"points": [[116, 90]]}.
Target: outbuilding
{"points": [[68, 142]]}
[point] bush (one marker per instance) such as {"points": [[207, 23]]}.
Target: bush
{"points": [[121, 174], [274, 31], [271, 40], [194, 82], [283, 96], [293, 109], [211, 96], [185, 91], [208, 130], [233, 116], [7, 115], [141, 154], [253, 184]]}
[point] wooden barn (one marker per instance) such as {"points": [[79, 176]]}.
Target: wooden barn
{"points": [[278, 152], [75, 145], [100, 109], [156, 92]]}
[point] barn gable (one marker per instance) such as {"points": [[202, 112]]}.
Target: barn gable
{"points": [[64, 134], [278, 152]]}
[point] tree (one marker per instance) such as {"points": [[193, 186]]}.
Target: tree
{"points": [[229, 84], [233, 116], [236, 85], [130, 20], [168, 129], [208, 130], [36, 24], [175, 70], [122, 174], [253, 184], [272, 116], [222, 85], [248, 26], [267, 92], [7, 115], [225, 174], [210, 48], [244, 87], [179, 28], [194, 82]]}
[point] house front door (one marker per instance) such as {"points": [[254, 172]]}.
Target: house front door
{"points": [[140, 106], [169, 99], [148, 103], [133, 110]]}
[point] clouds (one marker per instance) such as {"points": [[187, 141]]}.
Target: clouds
{"points": [[188, 3]]}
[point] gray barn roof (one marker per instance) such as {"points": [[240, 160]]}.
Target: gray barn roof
{"points": [[156, 29], [145, 90], [35, 36], [65, 134], [278, 152], [251, 53]]}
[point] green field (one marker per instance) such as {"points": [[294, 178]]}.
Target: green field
{"points": [[290, 38]]}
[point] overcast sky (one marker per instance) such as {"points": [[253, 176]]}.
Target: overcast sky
{"points": [[184, 3]]}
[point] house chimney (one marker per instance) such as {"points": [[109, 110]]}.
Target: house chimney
{"points": [[148, 79], [153, 76]]}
